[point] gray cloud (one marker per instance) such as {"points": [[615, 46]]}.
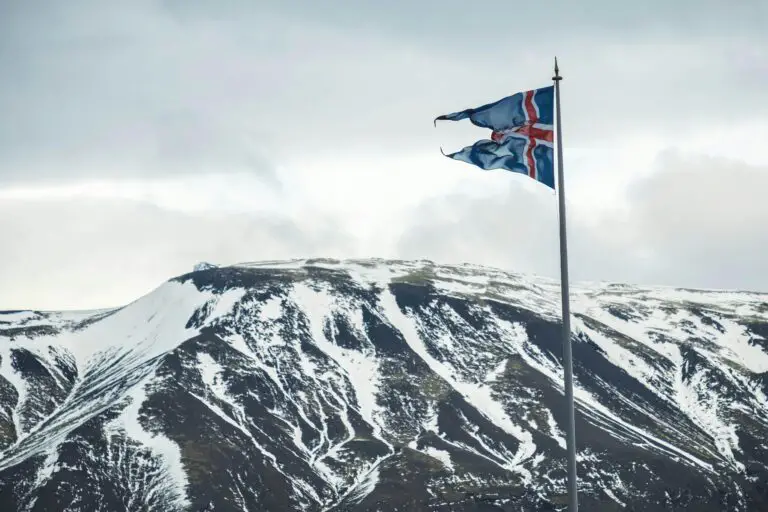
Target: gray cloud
{"points": [[101, 252], [146, 88], [694, 221], [97, 90], [454, 23]]}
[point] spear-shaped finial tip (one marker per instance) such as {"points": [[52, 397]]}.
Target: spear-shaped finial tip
{"points": [[557, 72]]}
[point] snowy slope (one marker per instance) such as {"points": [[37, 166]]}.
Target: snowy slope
{"points": [[381, 385]]}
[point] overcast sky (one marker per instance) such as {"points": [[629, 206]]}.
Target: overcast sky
{"points": [[140, 137]]}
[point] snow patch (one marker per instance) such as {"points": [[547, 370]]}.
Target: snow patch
{"points": [[479, 395], [173, 475], [203, 265], [695, 400], [361, 368], [591, 406], [496, 372], [17, 317], [443, 456], [224, 304], [271, 309]]}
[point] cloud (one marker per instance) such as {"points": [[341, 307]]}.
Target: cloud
{"points": [[322, 115], [494, 19], [703, 218], [90, 252], [153, 88], [96, 90], [694, 221]]}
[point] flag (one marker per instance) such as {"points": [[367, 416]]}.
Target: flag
{"points": [[522, 135]]}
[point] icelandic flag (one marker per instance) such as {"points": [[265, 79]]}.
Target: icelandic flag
{"points": [[522, 135]]}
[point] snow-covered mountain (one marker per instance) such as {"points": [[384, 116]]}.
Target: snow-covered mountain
{"points": [[380, 385]]}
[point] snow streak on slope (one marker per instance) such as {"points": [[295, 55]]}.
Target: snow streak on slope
{"points": [[112, 357], [676, 335], [477, 394], [592, 407], [358, 367], [169, 478], [325, 385]]}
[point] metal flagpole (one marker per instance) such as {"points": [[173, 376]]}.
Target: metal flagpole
{"points": [[573, 501]]}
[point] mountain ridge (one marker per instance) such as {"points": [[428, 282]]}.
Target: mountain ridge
{"points": [[383, 385]]}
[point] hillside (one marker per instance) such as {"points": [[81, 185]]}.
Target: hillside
{"points": [[384, 385]]}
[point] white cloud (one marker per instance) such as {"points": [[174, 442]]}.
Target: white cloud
{"points": [[89, 252], [694, 221], [288, 129], [704, 220], [142, 89], [691, 221]]}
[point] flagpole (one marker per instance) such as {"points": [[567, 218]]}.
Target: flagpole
{"points": [[573, 501]]}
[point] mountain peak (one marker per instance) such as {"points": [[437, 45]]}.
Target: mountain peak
{"points": [[203, 265], [380, 385]]}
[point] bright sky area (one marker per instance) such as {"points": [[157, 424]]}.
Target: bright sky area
{"points": [[141, 137]]}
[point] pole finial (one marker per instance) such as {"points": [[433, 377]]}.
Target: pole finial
{"points": [[557, 76]]}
